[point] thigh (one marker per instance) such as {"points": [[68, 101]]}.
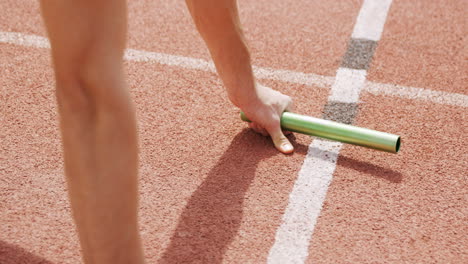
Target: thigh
{"points": [[85, 34]]}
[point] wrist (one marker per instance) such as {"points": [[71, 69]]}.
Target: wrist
{"points": [[244, 97]]}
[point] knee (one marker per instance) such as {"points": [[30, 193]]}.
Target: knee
{"points": [[71, 93], [90, 85]]}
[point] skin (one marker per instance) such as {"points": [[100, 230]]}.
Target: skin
{"points": [[219, 25], [97, 117], [98, 125]]}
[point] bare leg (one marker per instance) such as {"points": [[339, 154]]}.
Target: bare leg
{"points": [[98, 126]]}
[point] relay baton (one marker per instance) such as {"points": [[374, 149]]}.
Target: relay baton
{"points": [[337, 131]]}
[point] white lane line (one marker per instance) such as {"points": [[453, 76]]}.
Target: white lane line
{"points": [[292, 239], [305, 203], [414, 93], [371, 19], [170, 60], [24, 40], [293, 236], [181, 61], [293, 77], [319, 81], [348, 85]]}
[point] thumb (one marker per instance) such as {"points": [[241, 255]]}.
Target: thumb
{"points": [[280, 141]]}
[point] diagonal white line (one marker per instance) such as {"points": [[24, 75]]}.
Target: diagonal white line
{"points": [[293, 236], [305, 203], [316, 173], [371, 19], [348, 85], [260, 72]]}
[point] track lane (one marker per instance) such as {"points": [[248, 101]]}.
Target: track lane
{"points": [[404, 208], [189, 134], [409, 207], [424, 45], [170, 200], [34, 209], [177, 173], [211, 191]]}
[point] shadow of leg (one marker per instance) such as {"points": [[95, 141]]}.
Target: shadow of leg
{"points": [[213, 214], [11, 254]]}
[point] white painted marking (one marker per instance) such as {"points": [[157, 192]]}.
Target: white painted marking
{"points": [[200, 64], [24, 40], [294, 77], [414, 93], [371, 19], [305, 202], [293, 236], [348, 85], [170, 60], [310, 79]]}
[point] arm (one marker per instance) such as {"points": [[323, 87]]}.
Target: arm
{"points": [[219, 25]]}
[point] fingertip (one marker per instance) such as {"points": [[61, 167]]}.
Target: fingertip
{"points": [[286, 148], [283, 145]]}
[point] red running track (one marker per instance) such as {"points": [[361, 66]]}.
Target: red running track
{"points": [[213, 191]]}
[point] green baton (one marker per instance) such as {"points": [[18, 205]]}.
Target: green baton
{"points": [[337, 131]]}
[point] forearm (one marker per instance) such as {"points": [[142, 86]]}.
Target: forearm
{"points": [[219, 25]]}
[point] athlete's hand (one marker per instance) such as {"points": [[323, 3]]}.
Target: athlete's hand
{"points": [[265, 113]]}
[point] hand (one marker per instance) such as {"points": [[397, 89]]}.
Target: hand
{"points": [[265, 113]]}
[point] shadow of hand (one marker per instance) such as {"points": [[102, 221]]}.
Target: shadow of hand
{"points": [[11, 254], [213, 214]]}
